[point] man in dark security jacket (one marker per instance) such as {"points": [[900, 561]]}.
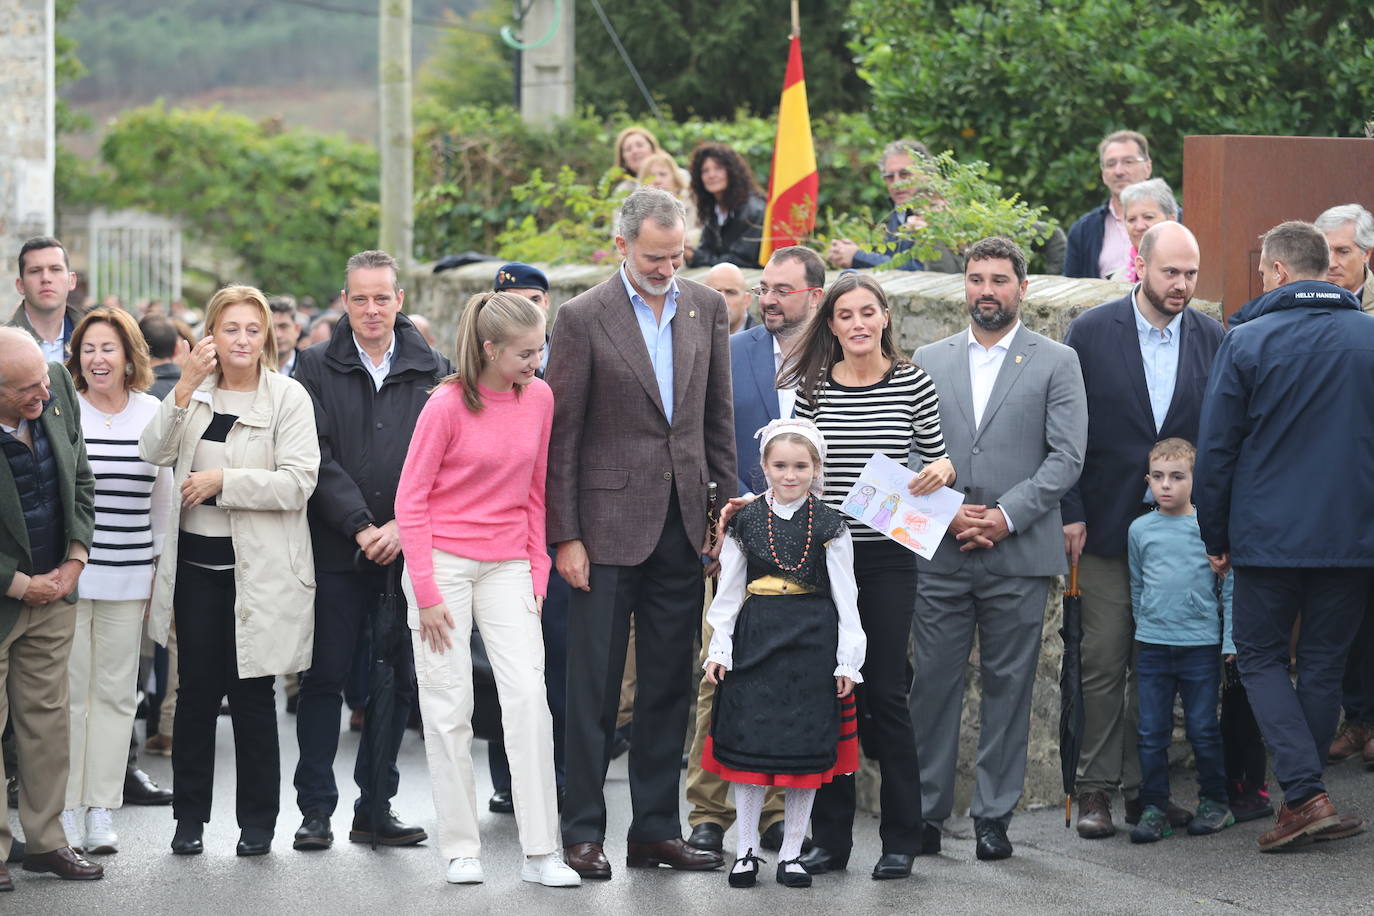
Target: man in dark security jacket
{"points": [[369, 382], [1284, 495]]}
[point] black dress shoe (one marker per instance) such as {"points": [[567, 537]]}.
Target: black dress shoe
{"points": [[992, 840], [930, 840], [750, 876], [708, 836], [254, 841], [187, 839], [893, 865], [791, 878], [820, 860], [389, 830], [139, 789], [771, 838], [314, 832], [501, 802]]}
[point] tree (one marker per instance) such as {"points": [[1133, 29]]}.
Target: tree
{"points": [[1031, 86], [712, 59], [470, 65], [292, 204]]}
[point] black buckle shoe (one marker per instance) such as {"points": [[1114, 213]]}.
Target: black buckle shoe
{"points": [[139, 789], [749, 877], [793, 879], [388, 832], [314, 832]]}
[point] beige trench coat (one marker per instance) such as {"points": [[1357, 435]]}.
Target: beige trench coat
{"points": [[274, 459]]}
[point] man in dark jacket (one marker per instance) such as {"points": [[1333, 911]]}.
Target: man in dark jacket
{"points": [[1284, 494], [369, 382], [1098, 243], [1145, 359]]}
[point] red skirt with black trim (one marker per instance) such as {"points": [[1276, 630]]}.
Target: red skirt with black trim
{"points": [[846, 758]]}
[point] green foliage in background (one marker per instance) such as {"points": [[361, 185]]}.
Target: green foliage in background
{"points": [[581, 231], [468, 160], [293, 205], [1031, 87], [710, 59], [959, 205], [469, 66]]}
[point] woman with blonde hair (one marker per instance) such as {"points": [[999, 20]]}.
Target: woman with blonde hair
{"points": [[470, 508], [633, 145], [111, 369], [237, 571]]}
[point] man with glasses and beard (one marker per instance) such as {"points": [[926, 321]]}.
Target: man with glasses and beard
{"points": [[1145, 360], [1015, 421]]}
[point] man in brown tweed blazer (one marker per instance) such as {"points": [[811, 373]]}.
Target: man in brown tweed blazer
{"points": [[640, 370]]}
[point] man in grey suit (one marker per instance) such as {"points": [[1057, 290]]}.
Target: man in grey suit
{"points": [[640, 371], [1015, 419]]}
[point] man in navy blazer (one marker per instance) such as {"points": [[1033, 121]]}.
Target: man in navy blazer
{"points": [[789, 293], [1145, 359]]}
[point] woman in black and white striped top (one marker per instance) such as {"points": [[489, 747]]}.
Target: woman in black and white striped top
{"points": [[110, 367], [867, 397]]}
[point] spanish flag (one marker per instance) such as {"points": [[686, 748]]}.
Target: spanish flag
{"points": [[793, 182]]}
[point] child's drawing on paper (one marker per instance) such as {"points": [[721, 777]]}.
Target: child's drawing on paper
{"points": [[858, 501], [883, 517]]}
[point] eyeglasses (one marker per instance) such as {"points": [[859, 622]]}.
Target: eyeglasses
{"points": [[1124, 160], [762, 291]]}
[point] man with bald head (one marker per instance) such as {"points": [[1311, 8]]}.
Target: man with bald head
{"points": [[47, 516], [728, 280], [1145, 360]]}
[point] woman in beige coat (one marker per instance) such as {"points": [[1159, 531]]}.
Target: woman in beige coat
{"points": [[237, 569]]}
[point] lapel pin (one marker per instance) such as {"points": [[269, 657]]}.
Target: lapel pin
{"points": [[57, 411], [692, 314], [1019, 357]]}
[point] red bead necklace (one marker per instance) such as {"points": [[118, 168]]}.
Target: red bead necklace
{"points": [[810, 519]]}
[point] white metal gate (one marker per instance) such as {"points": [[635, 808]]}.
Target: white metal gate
{"points": [[135, 256]]}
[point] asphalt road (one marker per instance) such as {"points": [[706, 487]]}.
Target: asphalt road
{"points": [[1052, 872]]}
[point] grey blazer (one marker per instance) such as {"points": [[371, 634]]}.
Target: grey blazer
{"points": [[1024, 456], [613, 456]]}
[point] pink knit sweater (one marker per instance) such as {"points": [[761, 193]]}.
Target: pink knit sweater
{"points": [[473, 484]]}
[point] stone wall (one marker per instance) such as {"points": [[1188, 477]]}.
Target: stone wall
{"points": [[26, 111], [926, 306]]}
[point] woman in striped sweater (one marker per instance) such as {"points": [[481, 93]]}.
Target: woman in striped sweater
{"points": [[110, 366], [866, 397]]}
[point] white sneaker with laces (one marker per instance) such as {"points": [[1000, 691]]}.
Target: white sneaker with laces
{"points": [[464, 871], [100, 835], [71, 826], [549, 870]]}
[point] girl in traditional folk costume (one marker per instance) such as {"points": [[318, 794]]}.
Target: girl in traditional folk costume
{"points": [[786, 650]]}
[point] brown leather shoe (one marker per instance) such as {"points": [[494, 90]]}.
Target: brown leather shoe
{"points": [[1095, 816], [1350, 740], [588, 860], [1312, 817], [1349, 825], [674, 853], [66, 863], [6, 883]]}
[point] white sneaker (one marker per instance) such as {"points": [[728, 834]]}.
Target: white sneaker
{"points": [[464, 871], [71, 826], [549, 870], [100, 835]]}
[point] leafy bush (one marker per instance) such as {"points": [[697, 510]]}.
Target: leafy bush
{"points": [[291, 204], [1031, 86]]}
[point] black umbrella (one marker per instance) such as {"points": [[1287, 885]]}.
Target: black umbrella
{"points": [[389, 632], [1071, 690]]}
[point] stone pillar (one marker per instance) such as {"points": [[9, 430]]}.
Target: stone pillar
{"points": [[396, 130], [27, 138], [546, 70]]}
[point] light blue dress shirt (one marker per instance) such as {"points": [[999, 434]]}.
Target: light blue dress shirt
{"points": [[658, 337], [1159, 353]]}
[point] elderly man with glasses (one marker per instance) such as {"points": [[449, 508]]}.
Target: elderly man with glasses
{"points": [[900, 169], [1099, 245]]}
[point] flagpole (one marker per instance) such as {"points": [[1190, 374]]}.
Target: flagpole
{"points": [[796, 20]]}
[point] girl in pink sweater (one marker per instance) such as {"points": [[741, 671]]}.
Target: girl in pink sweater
{"points": [[470, 509]]}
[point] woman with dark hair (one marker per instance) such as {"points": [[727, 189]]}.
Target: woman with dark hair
{"points": [[867, 397], [110, 368], [730, 208]]}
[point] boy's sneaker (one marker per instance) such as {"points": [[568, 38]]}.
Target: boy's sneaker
{"points": [[1153, 827], [101, 838], [1212, 817], [1251, 806]]}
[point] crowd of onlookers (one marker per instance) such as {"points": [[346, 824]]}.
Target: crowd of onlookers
{"points": [[667, 481]]}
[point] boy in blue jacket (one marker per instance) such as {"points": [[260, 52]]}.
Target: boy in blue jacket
{"points": [[1179, 638]]}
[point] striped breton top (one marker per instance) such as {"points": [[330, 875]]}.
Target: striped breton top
{"points": [[896, 416], [133, 501]]}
